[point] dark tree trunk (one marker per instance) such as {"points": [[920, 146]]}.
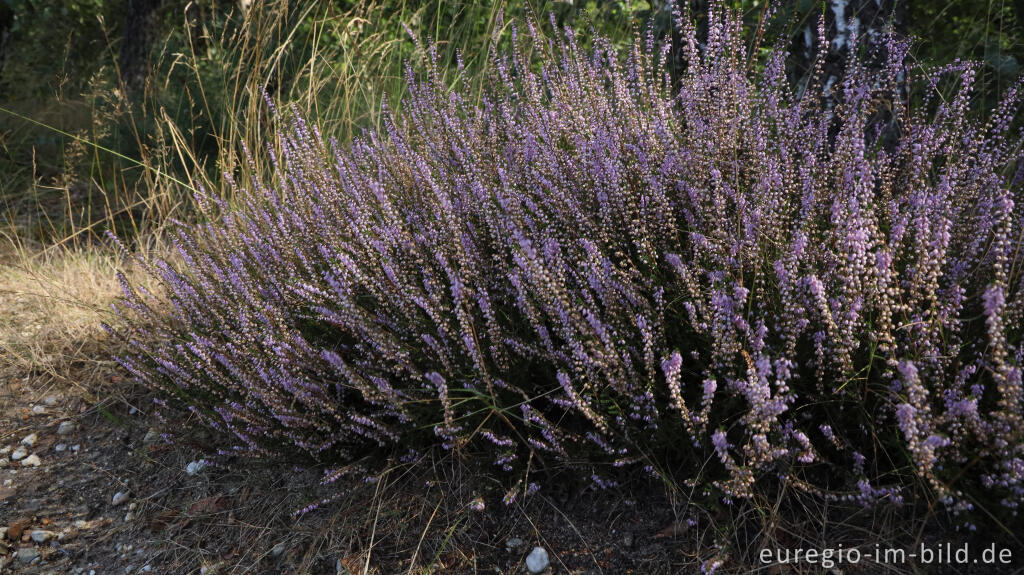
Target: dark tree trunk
{"points": [[141, 19], [6, 23]]}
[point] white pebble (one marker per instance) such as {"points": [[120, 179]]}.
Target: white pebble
{"points": [[537, 561], [65, 428], [38, 410], [195, 467], [30, 440], [32, 461], [119, 498], [19, 453], [51, 401], [40, 536]]}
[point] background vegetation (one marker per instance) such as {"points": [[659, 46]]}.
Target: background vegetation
{"points": [[82, 147]]}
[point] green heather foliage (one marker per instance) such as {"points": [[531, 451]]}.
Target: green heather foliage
{"points": [[589, 266]]}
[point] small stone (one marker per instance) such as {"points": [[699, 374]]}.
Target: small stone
{"points": [[27, 555], [128, 517], [4, 462], [75, 447], [195, 467], [5, 450], [40, 536], [65, 428], [20, 453], [151, 437], [60, 447], [32, 461], [210, 569], [14, 530], [38, 410], [279, 549], [537, 561], [514, 543], [119, 498], [50, 400], [30, 440]]}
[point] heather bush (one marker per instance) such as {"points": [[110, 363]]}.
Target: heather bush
{"points": [[725, 280]]}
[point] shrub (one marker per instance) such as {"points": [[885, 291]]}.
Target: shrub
{"points": [[718, 280]]}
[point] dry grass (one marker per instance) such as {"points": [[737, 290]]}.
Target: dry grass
{"points": [[52, 303]]}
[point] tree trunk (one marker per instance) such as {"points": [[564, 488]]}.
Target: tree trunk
{"points": [[141, 19], [6, 23]]}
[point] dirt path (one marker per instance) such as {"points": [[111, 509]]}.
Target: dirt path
{"points": [[63, 467]]}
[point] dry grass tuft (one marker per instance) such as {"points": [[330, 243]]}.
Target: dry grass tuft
{"points": [[52, 303]]}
